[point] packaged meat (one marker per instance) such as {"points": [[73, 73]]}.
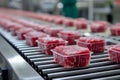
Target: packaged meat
{"points": [[46, 17], [23, 22], [23, 31], [98, 27], [42, 27], [6, 24], [59, 20], [47, 43], [105, 23], [80, 24], [72, 56], [14, 28], [53, 32], [115, 30], [114, 53], [52, 18], [32, 25], [81, 19], [31, 37], [94, 44], [10, 25], [28, 24], [68, 22], [69, 36]]}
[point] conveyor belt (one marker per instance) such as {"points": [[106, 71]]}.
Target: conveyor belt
{"points": [[100, 66], [18, 68]]}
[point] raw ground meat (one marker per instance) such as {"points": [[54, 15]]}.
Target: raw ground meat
{"points": [[31, 37], [72, 56], [21, 32], [94, 44], [114, 53], [69, 36], [47, 43], [115, 30]]}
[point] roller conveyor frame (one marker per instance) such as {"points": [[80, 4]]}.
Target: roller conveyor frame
{"points": [[100, 67], [19, 69]]}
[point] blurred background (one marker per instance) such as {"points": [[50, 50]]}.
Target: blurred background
{"points": [[107, 10]]}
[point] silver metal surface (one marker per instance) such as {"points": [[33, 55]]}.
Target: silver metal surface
{"points": [[21, 68]]}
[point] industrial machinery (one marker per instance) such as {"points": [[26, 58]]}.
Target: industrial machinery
{"points": [[28, 63]]}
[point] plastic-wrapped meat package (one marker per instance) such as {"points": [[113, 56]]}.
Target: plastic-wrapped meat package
{"points": [[22, 32], [80, 24], [31, 37], [4, 23], [46, 18], [27, 24], [53, 32], [59, 20], [42, 17], [69, 36], [115, 30], [33, 25], [23, 22], [51, 18], [114, 53], [42, 27], [98, 27], [68, 22], [72, 56], [81, 19], [105, 23], [11, 25], [47, 43], [13, 19], [94, 44], [14, 28]]}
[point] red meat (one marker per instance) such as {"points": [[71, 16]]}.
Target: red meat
{"points": [[42, 27], [26, 23], [72, 56], [69, 36], [46, 17], [81, 19], [115, 30], [59, 20], [4, 23], [31, 37], [102, 22], [23, 31], [14, 28], [80, 24], [94, 44], [53, 31], [48, 43], [68, 22], [52, 18], [114, 53], [98, 27]]}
